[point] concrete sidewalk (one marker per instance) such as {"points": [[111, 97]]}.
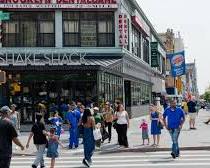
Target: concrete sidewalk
{"points": [[189, 139]]}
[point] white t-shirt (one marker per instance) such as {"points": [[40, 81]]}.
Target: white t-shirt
{"points": [[122, 117]]}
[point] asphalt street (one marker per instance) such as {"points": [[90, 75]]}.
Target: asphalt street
{"points": [[73, 159]]}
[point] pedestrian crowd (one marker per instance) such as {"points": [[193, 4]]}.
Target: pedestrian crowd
{"points": [[92, 125]]}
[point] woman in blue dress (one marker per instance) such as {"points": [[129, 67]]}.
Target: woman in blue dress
{"points": [[155, 127], [88, 122], [52, 150]]}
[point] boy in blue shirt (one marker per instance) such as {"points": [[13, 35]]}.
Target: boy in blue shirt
{"points": [[175, 119]]}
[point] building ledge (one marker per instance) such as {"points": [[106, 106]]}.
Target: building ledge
{"points": [[49, 50]]}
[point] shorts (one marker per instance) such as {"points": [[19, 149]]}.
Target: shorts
{"points": [[192, 116]]}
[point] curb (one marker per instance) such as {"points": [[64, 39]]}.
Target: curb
{"points": [[23, 154], [155, 149], [143, 150]]}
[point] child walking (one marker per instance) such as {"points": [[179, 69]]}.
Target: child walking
{"points": [[97, 135], [56, 122], [52, 150], [145, 131]]}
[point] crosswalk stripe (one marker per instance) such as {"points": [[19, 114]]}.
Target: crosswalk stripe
{"points": [[124, 157], [183, 152], [136, 165], [116, 161], [146, 160]]}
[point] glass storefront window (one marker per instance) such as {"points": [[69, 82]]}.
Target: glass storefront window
{"points": [[29, 29], [140, 93], [30, 89], [111, 87]]}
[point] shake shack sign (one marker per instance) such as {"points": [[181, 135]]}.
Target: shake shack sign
{"points": [[24, 59], [58, 4]]}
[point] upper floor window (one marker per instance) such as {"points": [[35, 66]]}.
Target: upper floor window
{"points": [[29, 29], [146, 50], [136, 44], [89, 29], [71, 29], [163, 65]]}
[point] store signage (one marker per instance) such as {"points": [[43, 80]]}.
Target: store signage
{"points": [[123, 30], [139, 22], [155, 56], [24, 59], [4, 16], [24, 4], [178, 66], [88, 33]]}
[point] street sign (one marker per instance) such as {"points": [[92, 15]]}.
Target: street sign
{"points": [[4, 16], [155, 55]]}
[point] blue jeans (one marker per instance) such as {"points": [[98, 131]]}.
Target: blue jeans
{"points": [[39, 155], [89, 143], [175, 136], [73, 140]]}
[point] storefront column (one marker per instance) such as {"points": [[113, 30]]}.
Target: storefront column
{"points": [[117, 29], [58, 29]]}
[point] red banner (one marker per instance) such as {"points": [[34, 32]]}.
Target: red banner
{"points": [[58, 4]]}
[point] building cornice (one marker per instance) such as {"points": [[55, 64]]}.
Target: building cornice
{"points": [[152, 29]]}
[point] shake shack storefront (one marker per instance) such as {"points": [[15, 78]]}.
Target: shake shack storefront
{"points": [[58, 78], [92, 51]]}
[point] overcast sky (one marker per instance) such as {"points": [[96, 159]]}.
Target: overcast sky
{"points": [[192, 19]]}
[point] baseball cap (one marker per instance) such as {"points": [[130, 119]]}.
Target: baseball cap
{"points": [[13, 105], [5, 110]]}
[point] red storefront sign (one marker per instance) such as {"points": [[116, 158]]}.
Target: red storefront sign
{"points": [[59, 4], [140, 23], [123, 29]]}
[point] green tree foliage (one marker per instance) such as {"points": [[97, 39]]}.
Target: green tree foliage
{"points": [[207, 96]]}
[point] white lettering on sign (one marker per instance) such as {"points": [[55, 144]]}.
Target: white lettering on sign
{"points": [[58, 4], [123, 29], [24, 59]]}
